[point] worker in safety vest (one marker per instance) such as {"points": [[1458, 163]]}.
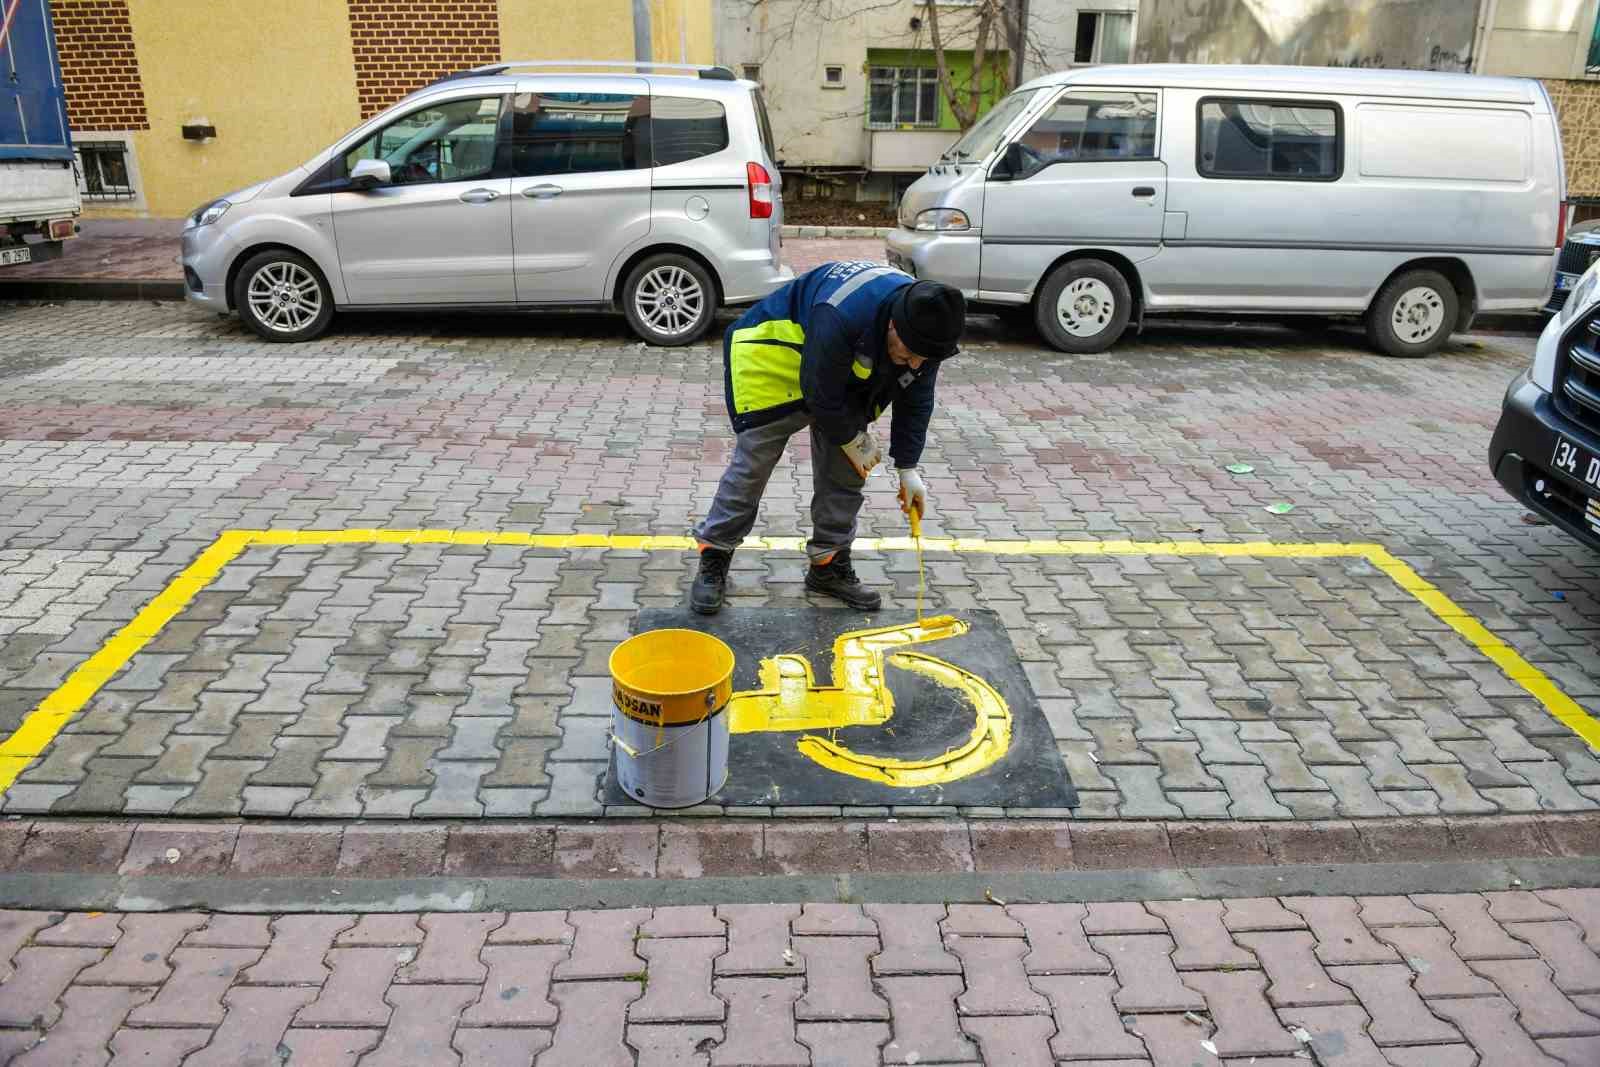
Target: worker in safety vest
{"points": [[829, 352]]}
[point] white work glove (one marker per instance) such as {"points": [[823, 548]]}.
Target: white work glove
{"points": [[913, 493], [862, 452]]}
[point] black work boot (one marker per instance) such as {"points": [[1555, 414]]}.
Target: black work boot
{"points": [[711, 584], [837, 578]]}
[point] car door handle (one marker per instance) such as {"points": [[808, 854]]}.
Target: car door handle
{"points": [[1144, 190], [479, 196], [542, 192]]}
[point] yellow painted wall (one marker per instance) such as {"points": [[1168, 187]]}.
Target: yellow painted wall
{"points": [[687, 23], [276, 79], [590, 29]]}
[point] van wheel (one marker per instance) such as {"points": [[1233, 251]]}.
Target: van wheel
{"points": [[282, 296], [1084, 306], [669, 300], [1414, 314]]}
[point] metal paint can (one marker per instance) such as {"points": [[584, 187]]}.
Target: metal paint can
{"points": [[669, 720]]}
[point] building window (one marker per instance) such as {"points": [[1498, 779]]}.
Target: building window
{"points": [[833, 77], [1285, 141], [903, 96], [103, 172], [1103, 37], [751, 72]]}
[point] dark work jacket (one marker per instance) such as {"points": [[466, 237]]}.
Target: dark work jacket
{"points": [[819, 345]]}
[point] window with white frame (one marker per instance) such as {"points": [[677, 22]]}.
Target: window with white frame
{"points": [[833, 76], [902, 96], [1103, 37], [104, 172]]}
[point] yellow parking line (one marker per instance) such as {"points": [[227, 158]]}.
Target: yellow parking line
{"points": [[45, 721], [42, 724]]}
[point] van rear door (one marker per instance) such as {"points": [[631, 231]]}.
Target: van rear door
{"points": [[1085, 173]]}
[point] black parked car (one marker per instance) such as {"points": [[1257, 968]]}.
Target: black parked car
{"points": [[1582, 248]]}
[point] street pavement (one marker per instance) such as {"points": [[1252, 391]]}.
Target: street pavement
{"points": [[1506, 979], [343, 751], [403, 680]]}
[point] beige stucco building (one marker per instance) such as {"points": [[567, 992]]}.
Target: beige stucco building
{"points": [[851, 87]]}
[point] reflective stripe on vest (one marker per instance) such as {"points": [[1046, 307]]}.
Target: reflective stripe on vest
{"points": [[764, 365]]}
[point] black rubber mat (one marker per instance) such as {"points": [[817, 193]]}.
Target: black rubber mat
{"points": [[929, 720]]}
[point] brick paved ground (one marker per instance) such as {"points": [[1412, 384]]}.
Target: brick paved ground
{"points": [[1500, 979], [393, 681]]}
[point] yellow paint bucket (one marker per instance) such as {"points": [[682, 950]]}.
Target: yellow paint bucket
{"points": [[669, 724]]}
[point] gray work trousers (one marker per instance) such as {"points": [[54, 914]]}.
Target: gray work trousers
{"points": [[835, 489]]}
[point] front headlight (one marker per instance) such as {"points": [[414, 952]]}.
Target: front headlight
{"points": [[943, 218], [210, 213]]}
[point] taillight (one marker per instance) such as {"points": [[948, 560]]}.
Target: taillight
{"points": [[760, 190], [1563, 210]]}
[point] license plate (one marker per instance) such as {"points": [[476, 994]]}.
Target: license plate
{"points": [[1576, 462], [1564, 281], [15, 255]]}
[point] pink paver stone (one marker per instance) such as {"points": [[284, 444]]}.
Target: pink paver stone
{"points": [[1298, 978], [1560, 944], [679, 990], [925, 1026], [1246, 1025], [1542, 1009], [1259, 913], [760, 1027], [911, 941], [1439, 971], [592, 1021], [517, 992], [1477, 937], [1490, 1027], [1143, 964], [1087, 1023], [1203, 941], [1399, 1016], [1341, 935], [996, 982], [496, 1048], [758, 937], [602, 945], [1056, 939], [840, 989]]}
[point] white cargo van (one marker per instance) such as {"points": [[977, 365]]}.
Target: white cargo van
{"points": [[1096, 197]]}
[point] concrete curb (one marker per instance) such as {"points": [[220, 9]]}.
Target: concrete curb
{"points": [[90, 289], [837, 231], [447, 893], [675, 849]]}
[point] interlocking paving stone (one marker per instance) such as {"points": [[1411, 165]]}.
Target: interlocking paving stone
{"points": [[1326, 645]]}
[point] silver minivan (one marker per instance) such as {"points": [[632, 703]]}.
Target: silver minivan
{"points": [[513, 186], [1092, 198]]}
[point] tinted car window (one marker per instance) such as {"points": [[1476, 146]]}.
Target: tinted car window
{"points": [[1256, 139], [578, 133], [684, 128], [449, 142]]}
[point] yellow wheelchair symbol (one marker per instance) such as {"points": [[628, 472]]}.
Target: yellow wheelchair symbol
{"points": [[790, 699]]}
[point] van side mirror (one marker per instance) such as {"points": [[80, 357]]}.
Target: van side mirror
{"points": [[369, 174]]}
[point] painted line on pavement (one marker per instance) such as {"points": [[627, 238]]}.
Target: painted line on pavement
{"points": [[42, 724]]}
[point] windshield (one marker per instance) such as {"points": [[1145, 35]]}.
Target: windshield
{"points": [[984, 138]]}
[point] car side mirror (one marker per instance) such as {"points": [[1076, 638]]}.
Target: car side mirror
{"points": [[369, 174]]}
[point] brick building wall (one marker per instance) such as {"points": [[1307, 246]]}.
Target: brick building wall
{"points": [[98, 65], [402, 45]]}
